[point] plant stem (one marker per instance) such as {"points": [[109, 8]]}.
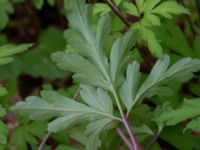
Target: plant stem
{"points": [[132, 137], [150, 144], [134, 145], [123, 137], [116, 10], [45, 139]]}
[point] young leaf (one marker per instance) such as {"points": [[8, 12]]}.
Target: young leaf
{"points": [[101, 8], [153, 44], [6, 8], [189, 109], [130, 85], [119, 56], [139, 4], [175, 8], [149, 5], [131, 8], [3, 91], [6, 51], [38, 3]]}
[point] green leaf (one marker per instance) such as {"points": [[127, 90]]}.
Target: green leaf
{"points": [[150, 20], [194, 124], [67, 111], [103, 31], [80, 20], [131, 8], [39, 3], [98, 99], [4, 18], [140, 4], [82, 67], [194, 88], [162, 75], [101, 8], [94, 129], [38, 58], [130, 86], [189, 109], [6, 8], [169, 35], [3, 91], [19, 143], [175, 137], [37, 128], [153, 44], [51, 2], [120, 56], [2, 111], [149, 5], [175, 8], [3, 133], [6, 51]]}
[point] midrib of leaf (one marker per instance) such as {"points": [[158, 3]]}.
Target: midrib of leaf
{"points": [[57, 110], [92, 41], [103, 68]]}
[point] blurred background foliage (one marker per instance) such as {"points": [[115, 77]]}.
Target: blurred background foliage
{"points": [[42, 22]]}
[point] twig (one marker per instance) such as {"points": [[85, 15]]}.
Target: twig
{"points": [[123, 137], [76, 95], [45, 139], [116, 10], [154, 139]]}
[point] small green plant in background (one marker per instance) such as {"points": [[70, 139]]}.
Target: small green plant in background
{"points": [[6, 56], [120, 96], [112, 86], [148, 14]]}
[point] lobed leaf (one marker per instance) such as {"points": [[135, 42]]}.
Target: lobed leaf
{"points": [[82, 69], [119, 56], [6, 51], [130, 86], [162, 75], [94, 129], [66, 111], [189, 109], [98, 99], [175, 8]]}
